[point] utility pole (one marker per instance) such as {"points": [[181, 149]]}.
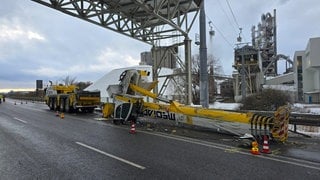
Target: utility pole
{"points": [[204, 94], [188, 86], [243, 75], [242, 71]]}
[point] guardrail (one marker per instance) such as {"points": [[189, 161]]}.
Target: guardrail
{"points": [[39, 99], [304, 119], [297, 119]]}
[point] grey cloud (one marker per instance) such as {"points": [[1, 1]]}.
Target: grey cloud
{"points": [[73, 43]]}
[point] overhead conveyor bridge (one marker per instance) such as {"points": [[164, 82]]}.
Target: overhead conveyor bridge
{"points": [[145, 20]]}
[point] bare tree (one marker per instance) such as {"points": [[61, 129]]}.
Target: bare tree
{"points": [[213, 67], [69, 80], [180, 80], [216, 65]]}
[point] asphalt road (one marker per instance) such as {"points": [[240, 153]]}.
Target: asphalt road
{"points": [[36, 144]]}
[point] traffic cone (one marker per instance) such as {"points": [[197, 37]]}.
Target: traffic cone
{"points": [[57, 113], [265, 146], [62, 115], [255, 148], [133, 128]]}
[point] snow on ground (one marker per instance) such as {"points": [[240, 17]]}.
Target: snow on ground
{"points": [[306, 108], [225, 106]]}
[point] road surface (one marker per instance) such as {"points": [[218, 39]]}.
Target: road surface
{"points": [[37, 144]]}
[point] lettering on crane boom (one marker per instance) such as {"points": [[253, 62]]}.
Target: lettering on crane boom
{"points": [[159, 114]]}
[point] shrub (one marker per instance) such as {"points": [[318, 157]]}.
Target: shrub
{"points": [[267, 100]]}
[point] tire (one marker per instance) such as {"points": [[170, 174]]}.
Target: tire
{"points": [[55, 105], [67, 106], [63, 105], [51, 102], [74, 108]]}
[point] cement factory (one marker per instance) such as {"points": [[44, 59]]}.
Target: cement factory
{"points": [[255, 63]]}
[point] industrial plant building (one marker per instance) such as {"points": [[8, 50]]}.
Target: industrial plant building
{"points": [[307, 72]]}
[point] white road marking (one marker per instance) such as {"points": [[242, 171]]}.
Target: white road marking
{"points": [[20, 120], [291, 162], [112, 156], [283, 159]]}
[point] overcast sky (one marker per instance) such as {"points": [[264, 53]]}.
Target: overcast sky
{"points": [[37, 42]]}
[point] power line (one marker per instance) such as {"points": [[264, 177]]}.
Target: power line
{"points": [[235, 20], [224, 38], [234, 17], [235, 29]]}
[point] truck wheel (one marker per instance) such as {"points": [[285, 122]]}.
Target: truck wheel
{"points": [[74, 108], [63, 105], [55, 105], [52, 103], [67, 106], [49, 103]]}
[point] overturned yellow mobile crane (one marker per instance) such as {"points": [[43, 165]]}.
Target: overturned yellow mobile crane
{"points": [[129, 103]]}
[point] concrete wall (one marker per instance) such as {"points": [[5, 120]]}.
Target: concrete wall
{"points": [[308, 80], [316, 79], [315, 52]]}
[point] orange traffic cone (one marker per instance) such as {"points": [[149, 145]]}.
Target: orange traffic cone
{"points": [[255, 148], [133, 128], [265, 146], [62, 115]]}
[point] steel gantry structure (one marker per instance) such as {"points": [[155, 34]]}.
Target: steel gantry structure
{"points": [[149, 21]]}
